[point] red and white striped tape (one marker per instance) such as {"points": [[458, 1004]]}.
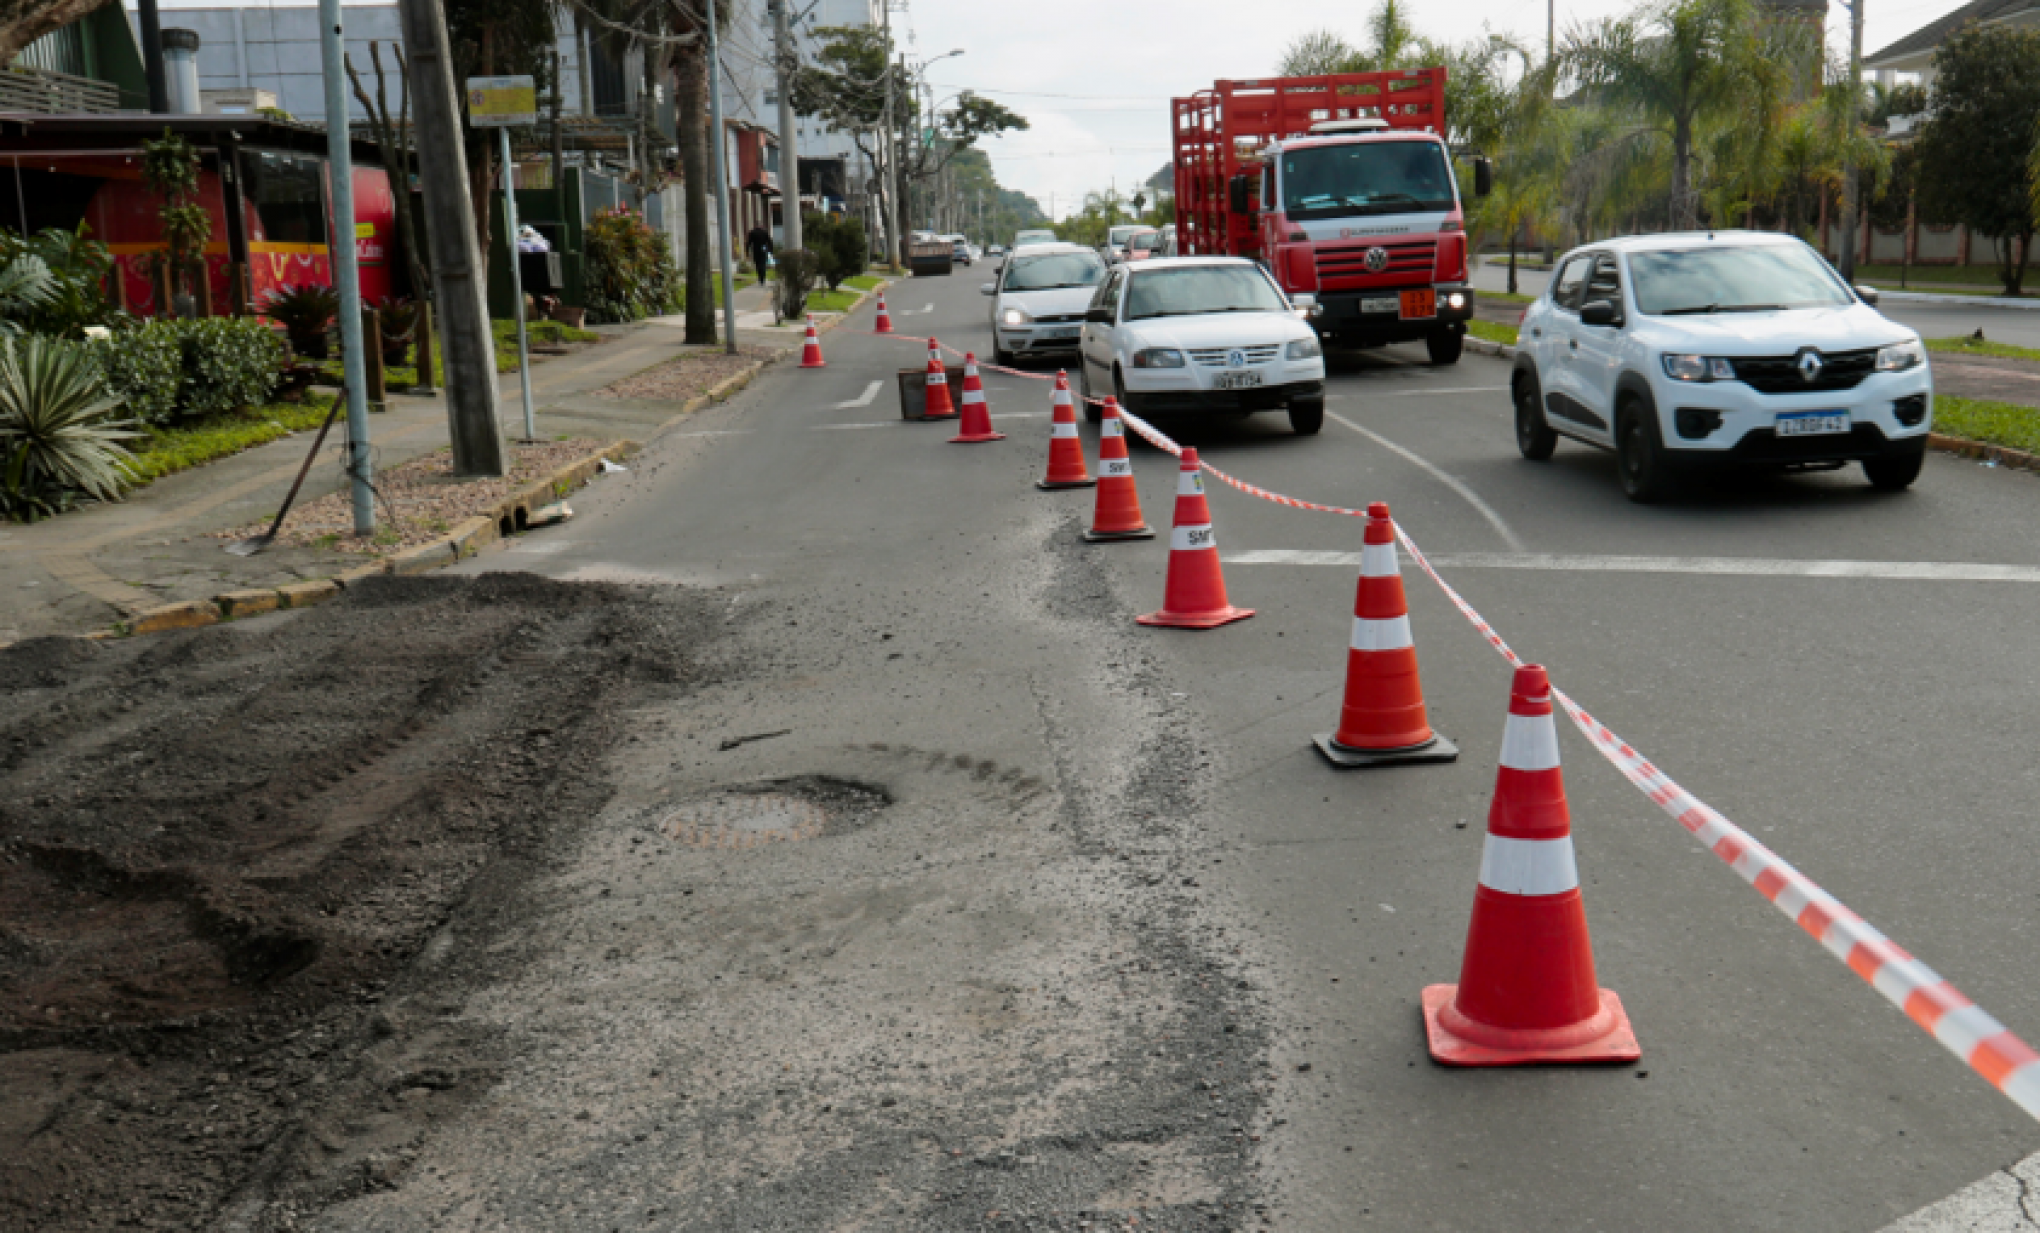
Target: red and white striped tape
{"points": [[1938, 1007]]}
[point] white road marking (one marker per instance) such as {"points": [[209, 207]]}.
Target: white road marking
{"points": [[1471, 497], [864, 399], [1745, 567], [1465, 389], [913, 312], [1998, 1202], [713, 432]]}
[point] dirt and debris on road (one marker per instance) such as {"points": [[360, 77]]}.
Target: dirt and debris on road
{"points": [[692, 374]]}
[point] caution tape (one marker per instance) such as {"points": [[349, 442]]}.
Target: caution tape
{"points": [[1938, 1007]]}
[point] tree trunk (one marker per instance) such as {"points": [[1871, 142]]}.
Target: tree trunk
{"points": [[1684, 216], [481, 152], [690, 94], [1512, 263]]}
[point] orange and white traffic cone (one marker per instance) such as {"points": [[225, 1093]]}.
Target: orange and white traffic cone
{"points": [[1194, 597], [1527, 990], [977, 417], [936, 406], [1065, 451], [1382, 722], [1116, 513], [884, 325], [811, 351]]}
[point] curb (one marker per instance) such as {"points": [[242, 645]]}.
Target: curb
{"points": [[2003, 455], [1974, 301], [505, 518], [1482, 346]]}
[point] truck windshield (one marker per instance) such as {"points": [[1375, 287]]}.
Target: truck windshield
{"points": [[1188, 290], [1380, 177], [1053, 270]]}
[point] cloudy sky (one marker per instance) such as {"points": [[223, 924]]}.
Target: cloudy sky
{"points": [[1093, 77]]}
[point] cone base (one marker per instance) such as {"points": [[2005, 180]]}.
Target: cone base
{"points": [[1056, 485], [1347, 758], [883, 329], [814, 364], [948, 415], [1195, 620], [1617, 1044], [1106, 537], [974, 440]]}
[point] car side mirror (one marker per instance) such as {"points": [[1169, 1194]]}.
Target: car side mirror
{"points": [[1237, 194], [1867, 294], [1102, 316], [1305, 304], [1599, 312], [988, 288], [1483, 177]]}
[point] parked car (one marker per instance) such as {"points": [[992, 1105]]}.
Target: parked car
{"points": [[1201, 334], [1728, 347], [995, 250], [1024, 238], [960, 250], [1039, 298]]}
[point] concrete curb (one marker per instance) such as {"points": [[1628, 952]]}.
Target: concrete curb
{"points": [[1977, 301], [505, 518], [2003, 455], [1482, 346]]}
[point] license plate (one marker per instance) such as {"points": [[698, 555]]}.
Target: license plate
{"points": [[1812, 423], [1383, 304], [1422, 302], [1050, 334], [1237, 380]]}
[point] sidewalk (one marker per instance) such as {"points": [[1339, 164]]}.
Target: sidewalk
{"points": [[97, 565]]}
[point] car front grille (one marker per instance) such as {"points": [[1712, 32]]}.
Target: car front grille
{"points": [[1405, 258], [1779, 374], [1219, 357], [1059, 319]]}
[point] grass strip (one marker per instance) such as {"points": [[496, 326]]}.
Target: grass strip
{"points": [[1993, 423], [1970, 346], [167, 451], [832, 301], [1492, 331], [863, 282]]}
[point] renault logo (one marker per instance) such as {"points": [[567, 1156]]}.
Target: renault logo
{"points": [[1377, 259], [1236, 359], [1809, 365]]}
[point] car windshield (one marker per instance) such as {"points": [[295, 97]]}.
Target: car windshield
{"points": [[1034, 237], [1147, 241], [1726, 279], [1053, 270], [1191, 289], [1383, 177]]}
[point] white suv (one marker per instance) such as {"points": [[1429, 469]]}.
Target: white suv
{"points": [[1719, 347]]}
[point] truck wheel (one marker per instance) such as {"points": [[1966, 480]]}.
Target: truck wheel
{"points": [[1534, 437], [1445, 345], [1894, 474], [1306, 416], [1640, 461]]}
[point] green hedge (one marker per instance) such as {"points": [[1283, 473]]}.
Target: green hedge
{"points": [[168, 372]]}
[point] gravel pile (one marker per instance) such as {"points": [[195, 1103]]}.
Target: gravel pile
{"points": [[691, 375]]}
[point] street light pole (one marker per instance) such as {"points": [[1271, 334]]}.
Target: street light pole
{"points": [[346, 274]]}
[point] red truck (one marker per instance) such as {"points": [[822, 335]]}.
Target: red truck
{"points": [[1342, 187]]}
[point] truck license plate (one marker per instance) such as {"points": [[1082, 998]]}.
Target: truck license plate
{"points": [[1383, 304], [1422, 302], [1237, 380], [1812, 423]]}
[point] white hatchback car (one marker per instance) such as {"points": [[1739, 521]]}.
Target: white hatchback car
{"points": [[1726, 347], [1201, 334], [1039, 298]]}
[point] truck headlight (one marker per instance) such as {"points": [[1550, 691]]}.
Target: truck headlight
{"points": [[1015, 316], [1698, 368], [1900, 356], [1304, 349], [1158, 357]]}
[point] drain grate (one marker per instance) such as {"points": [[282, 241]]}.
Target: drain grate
{"points": [[746, 820]]}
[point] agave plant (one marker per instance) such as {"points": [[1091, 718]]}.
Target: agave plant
{"points": [[25, 284], [56, 440], [397, 319], [305, 313]]}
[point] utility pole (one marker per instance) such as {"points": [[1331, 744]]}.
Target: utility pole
{"points": [[152, 56], [1550, 29], [346, 273], [1852, 204], [896, 254], [722, 192], [789, 151], [457, 269]]}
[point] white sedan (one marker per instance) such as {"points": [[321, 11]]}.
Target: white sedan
{"points": [[1201, 334]]}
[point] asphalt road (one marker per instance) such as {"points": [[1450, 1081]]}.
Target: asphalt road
{"points": [[2018, 326], [1874, 729]]}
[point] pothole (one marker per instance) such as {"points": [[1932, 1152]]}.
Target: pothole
{"points": [[780, 811]]}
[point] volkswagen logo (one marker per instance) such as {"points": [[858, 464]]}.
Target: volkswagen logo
{"points": [[1236, 359], [1809, 365], [1377, 259]]}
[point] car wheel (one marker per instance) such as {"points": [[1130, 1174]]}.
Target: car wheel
{"points": [[1894, 474], [1534, 436], [1445, 345], [1306, 416], [1639, 456], [1119, 390], [1092, 411], [1002, 357]]}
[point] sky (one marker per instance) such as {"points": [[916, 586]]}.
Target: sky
{"points": [[1093, 77]]}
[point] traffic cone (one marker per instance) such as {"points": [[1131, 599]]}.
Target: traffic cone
{"points": [[977, 417], [1526, 990], [884, 325], [936, 406], [1065, 451], [1195, 595], [811, 351], [1116, 514], [1382, 722]]}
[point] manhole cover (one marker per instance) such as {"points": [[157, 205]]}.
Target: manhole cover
{"points": [[745, 820]]}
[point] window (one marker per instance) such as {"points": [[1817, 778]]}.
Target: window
{"points": [[289, 195], [1189, 290], [1739, 278], [1606, 283], [1381, 177], [1053, 271], [1571, 280], [1108, 293]]}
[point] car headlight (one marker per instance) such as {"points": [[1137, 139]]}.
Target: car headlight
{"points": [[1698, 368], [1304, 349], [1158, 357], [1900, 356], [1016, 316]]}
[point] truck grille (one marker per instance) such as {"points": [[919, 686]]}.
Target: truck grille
{"points": [[1215, 357], [1405, 258], [1779, 374]]}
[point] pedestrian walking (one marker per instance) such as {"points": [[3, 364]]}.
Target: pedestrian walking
{"points": [[758, 244]]}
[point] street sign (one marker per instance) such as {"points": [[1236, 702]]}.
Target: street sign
{"points": [[501, 102]]}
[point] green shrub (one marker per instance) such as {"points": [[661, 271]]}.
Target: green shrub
{"points": [[838, 243], [142, 367], [168, 372], [631, 271], [69, 291], [797, 269], [57, 439], [305, 313]]}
